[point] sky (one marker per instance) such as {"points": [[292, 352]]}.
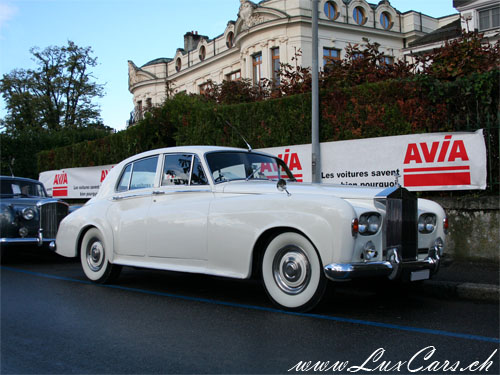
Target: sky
{"points": [[122, 30]]}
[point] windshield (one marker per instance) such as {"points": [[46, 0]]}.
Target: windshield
{"points": [[233, 165], [21, 188]]}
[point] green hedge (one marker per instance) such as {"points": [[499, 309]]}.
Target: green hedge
{"points": [[395, 107]]}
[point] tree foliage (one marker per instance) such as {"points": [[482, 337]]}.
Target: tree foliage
{"points": [[48, 106]]}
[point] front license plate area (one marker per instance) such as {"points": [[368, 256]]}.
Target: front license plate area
{"points": [[420, 275]]}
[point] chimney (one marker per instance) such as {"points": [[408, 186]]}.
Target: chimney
{"points": [[191, 40]]}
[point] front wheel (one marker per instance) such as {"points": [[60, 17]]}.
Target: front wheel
{"points": [[94, 258], [292, 272]]}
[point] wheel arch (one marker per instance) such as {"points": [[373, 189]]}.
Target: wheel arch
{"points": [[82, 233], [264, 239]]}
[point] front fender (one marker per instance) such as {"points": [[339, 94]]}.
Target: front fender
{"points": [[237, 222]]}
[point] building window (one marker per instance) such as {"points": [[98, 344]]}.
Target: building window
{"points": [[331, 10], [203, 53], [234, 76], [257, 68], [330, 55], [149, 103], [203, 88], [230, 40], [275, 53], [140, 110], [387, 60], [385, 20], [178, 64], [359, 15], [489, 18]]}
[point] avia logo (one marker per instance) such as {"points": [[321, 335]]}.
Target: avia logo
{"points": [[104, 173], [439, 155], [60, 185], [292, 160]]}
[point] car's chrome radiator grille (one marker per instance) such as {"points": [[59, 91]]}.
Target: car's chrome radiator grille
{"points": [[51, 214], [401, 222]]}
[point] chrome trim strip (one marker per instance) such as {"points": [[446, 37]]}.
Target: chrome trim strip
{"points": [[26, 240]]}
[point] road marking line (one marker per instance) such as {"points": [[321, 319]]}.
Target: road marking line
{"points": [[266, 309]]}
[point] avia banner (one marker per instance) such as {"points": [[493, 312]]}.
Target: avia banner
{"points": [[420, 162], [74, 183]]}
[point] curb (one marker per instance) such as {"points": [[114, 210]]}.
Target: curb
{"points": [[468, 291]]}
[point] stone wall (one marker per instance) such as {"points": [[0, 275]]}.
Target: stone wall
{"points": [[474, 227]]}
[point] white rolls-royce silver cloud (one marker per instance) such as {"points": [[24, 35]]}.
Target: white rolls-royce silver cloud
{"points": [[239, 213]]}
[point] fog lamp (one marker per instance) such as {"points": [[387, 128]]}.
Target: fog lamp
{"points": [[369, 251], [23, 232], [28, 213]]}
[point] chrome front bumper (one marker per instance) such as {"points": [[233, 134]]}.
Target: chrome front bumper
{"points": [[390, 268], [40, 241]]}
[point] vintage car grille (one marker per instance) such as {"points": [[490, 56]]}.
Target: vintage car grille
{"points": [[51, 214], [401, 221]]}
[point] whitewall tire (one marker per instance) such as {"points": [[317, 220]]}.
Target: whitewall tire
{"points": [[292, 272], [94, 257]]}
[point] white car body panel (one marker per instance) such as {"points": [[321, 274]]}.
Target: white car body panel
{"points": [[213, 229]]}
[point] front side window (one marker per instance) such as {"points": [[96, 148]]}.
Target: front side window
{"points": [[230, 166], [177, 170]]}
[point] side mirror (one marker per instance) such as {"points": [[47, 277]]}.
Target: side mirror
{"points": [[281, 186]]}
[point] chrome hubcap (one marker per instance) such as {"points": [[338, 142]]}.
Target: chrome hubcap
{"points": [[95, 256], [291, 270]]}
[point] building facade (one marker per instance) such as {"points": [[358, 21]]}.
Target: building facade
{"points": [[273, 32], [482, 16]]}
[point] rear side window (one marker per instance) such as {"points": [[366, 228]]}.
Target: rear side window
{"points": [[138, 175], [125, 179]]}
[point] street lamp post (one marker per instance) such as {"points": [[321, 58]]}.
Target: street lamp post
{"points": [[316, 156]]}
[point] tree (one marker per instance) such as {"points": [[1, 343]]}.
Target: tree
{"points": [[49, 106], [57, 94]]}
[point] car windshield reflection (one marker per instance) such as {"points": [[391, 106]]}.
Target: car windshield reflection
{"points": [[10, 188], [230, 166]]}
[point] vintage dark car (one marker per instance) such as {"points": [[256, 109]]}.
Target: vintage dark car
{"points": [[27, 214]]}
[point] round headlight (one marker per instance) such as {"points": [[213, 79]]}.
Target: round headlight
{"points": [[28, 213], [369, 223], [426, 223]]}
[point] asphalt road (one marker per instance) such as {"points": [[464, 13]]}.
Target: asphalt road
{"points": [[54, 321]]}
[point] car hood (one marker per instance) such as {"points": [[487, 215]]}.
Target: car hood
{"points": [[270, 187]]}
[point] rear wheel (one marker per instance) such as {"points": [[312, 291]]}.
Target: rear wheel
{"points": [[95, 258], [292, 272]]}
